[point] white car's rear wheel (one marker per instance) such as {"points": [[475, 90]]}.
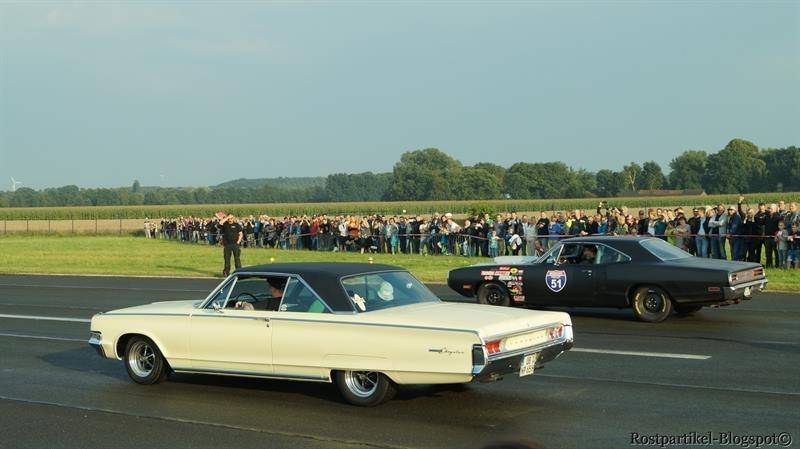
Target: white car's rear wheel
{"points": [[144, 362], [365, 388]]}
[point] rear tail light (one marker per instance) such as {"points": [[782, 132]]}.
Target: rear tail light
{"points": [[758, 272], [555, 332], [493, 347], [733, 277]]}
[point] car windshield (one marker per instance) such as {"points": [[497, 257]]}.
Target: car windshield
{"points": [[376, 291], [550, 256], [664, 250]]}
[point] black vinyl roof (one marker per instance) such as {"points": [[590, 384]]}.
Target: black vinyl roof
{"points": [[324, 277]]}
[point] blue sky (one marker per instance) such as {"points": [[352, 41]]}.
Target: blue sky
{"points": [[196, 93]]}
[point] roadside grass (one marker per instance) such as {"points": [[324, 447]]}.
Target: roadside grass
{"points": [[125, 255]]}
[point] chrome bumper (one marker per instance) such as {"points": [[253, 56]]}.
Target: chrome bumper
{"points": [[509, 363], [744, 290], [95, 341]]}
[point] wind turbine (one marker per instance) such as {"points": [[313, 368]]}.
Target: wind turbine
{"points": [[14, 184]]}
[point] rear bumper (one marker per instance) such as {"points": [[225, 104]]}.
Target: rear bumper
{"points": [[725, 296], [495, 369], [744, 290]]}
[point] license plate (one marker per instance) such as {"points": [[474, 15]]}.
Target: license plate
{"points": [[528, 364]]}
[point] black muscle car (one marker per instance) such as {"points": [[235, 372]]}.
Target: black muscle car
{"points": [[646, 274]]}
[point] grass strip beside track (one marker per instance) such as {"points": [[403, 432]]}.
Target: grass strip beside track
{"points": [[108, 255]]}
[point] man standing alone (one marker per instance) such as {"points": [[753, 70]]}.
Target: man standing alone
{"points": [[232, 234]]}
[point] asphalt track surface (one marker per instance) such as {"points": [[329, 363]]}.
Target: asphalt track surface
{"points": [[733, 369]]}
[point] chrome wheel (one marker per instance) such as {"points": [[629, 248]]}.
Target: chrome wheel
{"points": [[141, 358], [362, 383]]}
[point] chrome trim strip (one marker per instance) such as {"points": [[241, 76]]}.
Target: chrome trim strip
{"points": [[537, 348], [146, 314], [733, 288], [222, 315], [525, 331], [252, 374], [402, 326]]}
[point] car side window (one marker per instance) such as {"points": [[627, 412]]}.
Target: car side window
{"points": [[299, 298], [608, 255], [257, 292]]}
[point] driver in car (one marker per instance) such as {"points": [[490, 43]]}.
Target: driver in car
{"points": [[276, 287], [589, 255]]}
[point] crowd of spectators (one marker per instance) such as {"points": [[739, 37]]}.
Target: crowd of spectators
{"points": [[738, 232]]}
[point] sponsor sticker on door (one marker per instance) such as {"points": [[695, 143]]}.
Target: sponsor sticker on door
{"points": [[556, 280]]}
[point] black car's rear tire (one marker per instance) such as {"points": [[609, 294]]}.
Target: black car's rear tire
{"points": [[493, 294], [144, 362], [651, 304], [365, 388], [687, 310]]}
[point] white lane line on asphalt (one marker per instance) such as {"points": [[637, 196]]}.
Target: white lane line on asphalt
{"points": [[46, 318], [42, 337], [665, 355], [99, 287]]}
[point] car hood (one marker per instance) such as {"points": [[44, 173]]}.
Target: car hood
{"points": [[160, 307], [488, 321]]}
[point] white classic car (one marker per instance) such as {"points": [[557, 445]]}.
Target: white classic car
{"points": [[365, 327]]}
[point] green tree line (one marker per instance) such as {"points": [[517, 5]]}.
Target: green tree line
{"points": [[431, 174]]}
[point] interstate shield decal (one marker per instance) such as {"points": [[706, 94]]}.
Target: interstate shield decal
{"points": [[556, 280]]}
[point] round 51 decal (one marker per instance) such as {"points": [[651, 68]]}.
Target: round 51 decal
{"points": [[556, 280]]}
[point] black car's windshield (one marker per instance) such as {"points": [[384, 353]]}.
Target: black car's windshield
{"points": [[550, 256], [385, 290], [664, 250]]}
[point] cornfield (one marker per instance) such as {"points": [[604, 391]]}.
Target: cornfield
{"points": [[381, 207]]}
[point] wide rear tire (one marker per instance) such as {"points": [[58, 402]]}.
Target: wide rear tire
{"points": [[365, 388], [144, 362], [651, 304], [493, 294]]}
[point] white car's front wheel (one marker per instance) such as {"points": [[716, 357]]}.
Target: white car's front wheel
{"points": [[144, 362], [365, 388]]}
